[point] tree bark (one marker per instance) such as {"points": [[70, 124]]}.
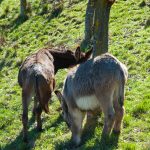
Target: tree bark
{"points": [[23, 5], [101, 26], [89, 21]]}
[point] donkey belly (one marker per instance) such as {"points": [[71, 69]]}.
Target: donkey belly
{"points": [[88, 102]]}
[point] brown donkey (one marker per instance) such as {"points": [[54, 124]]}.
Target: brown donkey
{"points": [[36, 78]]}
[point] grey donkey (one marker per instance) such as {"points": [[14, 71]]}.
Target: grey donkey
{"points": [[96, 84]]}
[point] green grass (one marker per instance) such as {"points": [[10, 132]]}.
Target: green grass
{"points": [[129, 42]]}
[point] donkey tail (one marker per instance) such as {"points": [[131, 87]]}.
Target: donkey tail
{"points": [[123, 76], [121, 94], [37, 92]]}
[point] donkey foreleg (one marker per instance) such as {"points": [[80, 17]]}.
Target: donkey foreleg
{"points": [[76, 126]]}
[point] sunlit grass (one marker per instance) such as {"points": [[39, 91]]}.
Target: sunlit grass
{"points": [[129, 42]]}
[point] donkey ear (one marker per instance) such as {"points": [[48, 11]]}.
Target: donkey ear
{"points": [[88, 53], [62, 102], [78, 53], [59, 96]]}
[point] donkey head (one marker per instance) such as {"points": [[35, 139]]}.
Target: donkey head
{"points": [[81, 56], [64, 107], [67, 58]]}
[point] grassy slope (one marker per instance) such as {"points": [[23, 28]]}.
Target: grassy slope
{"points": [[129, 41]]}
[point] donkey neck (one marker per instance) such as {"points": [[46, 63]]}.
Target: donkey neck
{"points": [[63, 60]]}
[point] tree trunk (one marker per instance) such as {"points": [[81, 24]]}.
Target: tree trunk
{"points": [[89, 21], [101, 24], [23, 5]]}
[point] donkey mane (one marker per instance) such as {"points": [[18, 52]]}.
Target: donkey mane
{"points": [[61, 53]]}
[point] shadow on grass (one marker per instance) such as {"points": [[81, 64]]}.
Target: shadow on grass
{"points": [[56, 123], [2, 64], [109, 143], [55, 12], [18, 144], [88, 133], [147, 24], [18, 21]]}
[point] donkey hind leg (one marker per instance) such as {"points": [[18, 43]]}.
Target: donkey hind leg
{"points": [[26, 97], [38, 117], [119, 112], [76, 127], [35, 105], [109, 115], [44, 98]]}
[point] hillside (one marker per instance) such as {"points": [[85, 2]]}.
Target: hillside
{"points": [[129, 42]]}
